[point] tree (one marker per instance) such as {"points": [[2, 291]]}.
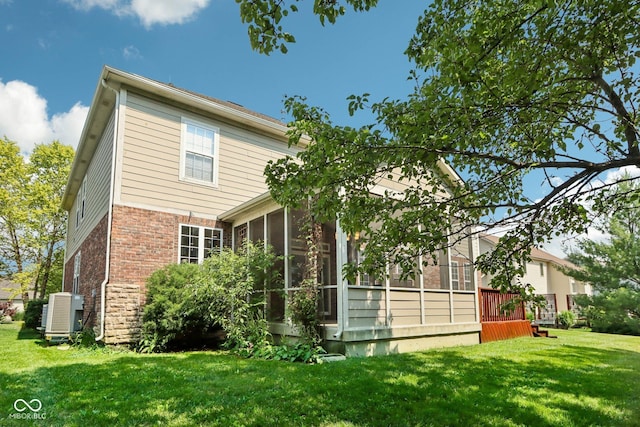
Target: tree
{"points": [[49, 168], [612, 267], [32, 221], [511, 94], [14, 249]]}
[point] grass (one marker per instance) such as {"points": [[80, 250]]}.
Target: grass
{"points": [[579, 379]]}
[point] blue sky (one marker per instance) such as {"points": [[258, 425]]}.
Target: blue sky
{"points": [[53, 50]]}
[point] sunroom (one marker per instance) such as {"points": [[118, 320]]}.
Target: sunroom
{"points": [[437, 307]]}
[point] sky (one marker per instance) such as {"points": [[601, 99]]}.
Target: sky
{"points": [[53, 51]]}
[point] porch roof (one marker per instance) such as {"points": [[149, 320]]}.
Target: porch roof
{"points": [[245, 207]]}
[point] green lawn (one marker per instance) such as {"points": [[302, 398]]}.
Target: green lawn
{"points": [[579, 379]]}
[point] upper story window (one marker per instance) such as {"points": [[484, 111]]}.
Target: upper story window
{"points": [[76, 274], [198, 243], [81, 201], [199, 152]]}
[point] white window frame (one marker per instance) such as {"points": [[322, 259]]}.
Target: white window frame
{"points": [[183, 151], [201, 240], [76, 274], [467, 275], [81, 202], [455, 276]]}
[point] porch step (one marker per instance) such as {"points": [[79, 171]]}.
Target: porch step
{"points": [[537, 332]]}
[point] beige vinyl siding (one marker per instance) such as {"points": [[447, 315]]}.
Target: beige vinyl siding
{"points": [[437, 307], [464, 307], [97, 193], [367, 307], [462, 249], [151, 161], [405, 308], [395, 184]]}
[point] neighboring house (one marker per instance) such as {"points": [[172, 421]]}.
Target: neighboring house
{"points": [[544, 274], [9, 292], [163, 175]]}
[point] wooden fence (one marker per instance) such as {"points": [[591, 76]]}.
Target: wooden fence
{"points": [[498, 324], [493, 304]]}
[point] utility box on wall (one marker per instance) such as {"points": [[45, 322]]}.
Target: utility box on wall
{"points": [[64, 315]]}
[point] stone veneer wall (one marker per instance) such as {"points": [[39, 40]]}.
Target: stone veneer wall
{"points": [[123, 313], [142, 241]]}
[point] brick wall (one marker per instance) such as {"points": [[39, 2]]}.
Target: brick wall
{"points": [[142, 242], [92, 269]]}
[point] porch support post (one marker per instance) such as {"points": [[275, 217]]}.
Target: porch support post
{"points": [[286, 264], [450, 285], [342, 294], [475, 251]]}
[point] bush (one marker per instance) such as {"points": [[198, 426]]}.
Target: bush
{"points": [[168, 314], [298, 352], [566, 319], [188, 302], [230, 293], [85, 338], [33, 313], [530, 316], [7, 311], [614, 311]]}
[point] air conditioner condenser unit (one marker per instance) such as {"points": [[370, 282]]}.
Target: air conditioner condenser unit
{"points": [[64, 315]]}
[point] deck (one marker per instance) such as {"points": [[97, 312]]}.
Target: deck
{"points": [[497, 324]]}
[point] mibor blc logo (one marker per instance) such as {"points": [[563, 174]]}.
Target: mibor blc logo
{"points": [[28, 410]]}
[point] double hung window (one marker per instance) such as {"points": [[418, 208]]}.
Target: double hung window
{"points": [[81, 202], [199, 153], [76, 274]]}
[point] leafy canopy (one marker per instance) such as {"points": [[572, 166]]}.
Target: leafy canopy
{"points": [[615, 262], [516, 96], [612, 267], [32, 220]]}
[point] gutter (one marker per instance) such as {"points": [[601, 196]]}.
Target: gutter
{"points": [[103, 285]]}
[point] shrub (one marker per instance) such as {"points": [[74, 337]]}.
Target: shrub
{"points": [[85, 338], [185, 302], [566, 318], [33, 313], [168, 314], [7, 311], [230, 293], [298, 352], [614, 311]]}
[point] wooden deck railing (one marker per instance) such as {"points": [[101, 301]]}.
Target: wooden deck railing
{"points": [[492, 306]]}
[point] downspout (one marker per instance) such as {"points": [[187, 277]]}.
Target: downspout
{"points": [[103, 285]]}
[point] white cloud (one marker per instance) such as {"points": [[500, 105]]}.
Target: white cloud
{"points": [[150, 12], [24, 118], [131, 52], [616, 175]]}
